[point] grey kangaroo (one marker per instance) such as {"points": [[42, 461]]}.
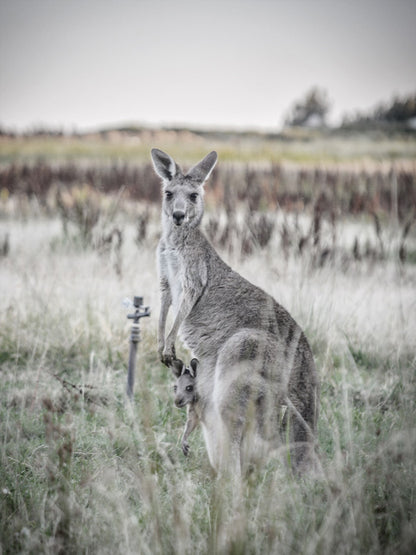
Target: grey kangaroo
{"points": [[186, 395], [254, 357]]}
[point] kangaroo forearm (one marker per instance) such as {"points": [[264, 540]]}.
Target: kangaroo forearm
{"points": [[162, 319], [184, 309], [166, 302], [186, 433], [171, 338], [190, 426]]}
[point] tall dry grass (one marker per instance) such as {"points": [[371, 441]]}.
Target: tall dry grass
{"points": [[81, 471]]}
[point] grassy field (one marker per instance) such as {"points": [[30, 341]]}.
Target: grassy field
{"points": [[300, 146], [325, 224], [82, 471]]}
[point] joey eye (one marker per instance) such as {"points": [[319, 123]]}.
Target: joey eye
{"points": [[168, 195], [175, 388], [193, 197], [189, 388]]}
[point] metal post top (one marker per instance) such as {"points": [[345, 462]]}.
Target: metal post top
{"points": [[137, 301], [140, 312]]}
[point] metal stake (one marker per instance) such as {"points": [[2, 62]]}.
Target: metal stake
{"points": [[140, 312]]}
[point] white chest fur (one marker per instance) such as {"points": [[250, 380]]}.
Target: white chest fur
{"points": [[174, 274]]}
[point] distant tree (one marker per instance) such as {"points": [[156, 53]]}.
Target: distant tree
{"points": [[399, 113], [311, 111], [400, 109]]}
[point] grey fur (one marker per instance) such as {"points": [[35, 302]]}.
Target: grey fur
{"points": [[254, 357], [186, 394]]}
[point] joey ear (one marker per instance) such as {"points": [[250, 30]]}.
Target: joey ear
{"points": [[194, 365], [164, 165], [177, 367], [203, 169]]}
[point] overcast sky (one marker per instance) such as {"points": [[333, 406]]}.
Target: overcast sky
{"points": [[88, 63]]}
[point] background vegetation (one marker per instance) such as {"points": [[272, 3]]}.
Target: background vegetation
{"points": [[325, 224]]}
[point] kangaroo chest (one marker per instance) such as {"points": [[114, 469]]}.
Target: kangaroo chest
{"points": [[174, 273], [186, 272]]}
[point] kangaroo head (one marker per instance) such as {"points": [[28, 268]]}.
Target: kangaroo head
{"points": [[183, 204], [185, 386]]}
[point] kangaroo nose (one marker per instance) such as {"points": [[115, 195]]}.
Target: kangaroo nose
{"points": [[178, 217], [179, 402]]}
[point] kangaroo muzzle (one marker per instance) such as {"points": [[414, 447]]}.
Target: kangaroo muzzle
{"points": [[180, 402], [178, 217]]}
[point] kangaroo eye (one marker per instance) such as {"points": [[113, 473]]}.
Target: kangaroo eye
{"points": [[189, 388], [168, 195], [193, 196], [175, 388]]}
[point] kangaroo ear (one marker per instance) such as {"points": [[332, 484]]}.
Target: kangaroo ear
{"points": [[164, 165], [194, 365], [203, 169], [177, 367]]}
